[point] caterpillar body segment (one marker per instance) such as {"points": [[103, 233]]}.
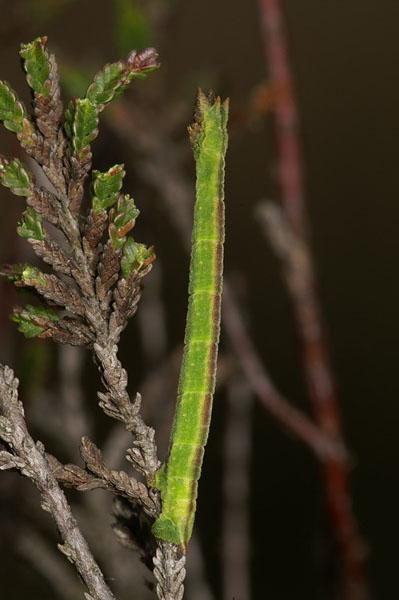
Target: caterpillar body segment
{"points": [[178, 478]]}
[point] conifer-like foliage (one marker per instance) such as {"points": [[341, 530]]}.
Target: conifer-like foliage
{"points": [[92, 282], [88, 291], [102, 260]]}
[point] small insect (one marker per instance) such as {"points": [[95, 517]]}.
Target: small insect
{"points": [[178, 478]]}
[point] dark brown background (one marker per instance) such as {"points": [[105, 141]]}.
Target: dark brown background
{"points": [[345, 56]]}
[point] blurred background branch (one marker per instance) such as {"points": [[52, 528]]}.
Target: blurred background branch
{"points": [[349, 125]]}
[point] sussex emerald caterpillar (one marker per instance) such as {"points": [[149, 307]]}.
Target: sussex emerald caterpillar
{"points": [[177, 479]]}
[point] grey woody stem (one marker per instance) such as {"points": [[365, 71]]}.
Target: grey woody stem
{"points": [[29, 457]]}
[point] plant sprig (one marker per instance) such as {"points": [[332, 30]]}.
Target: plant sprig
{"points": [[93, 289], [105, 265]]}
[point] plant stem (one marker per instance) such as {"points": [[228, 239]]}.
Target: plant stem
{"points": [[319, 376], [296, 422], [32, 463]]}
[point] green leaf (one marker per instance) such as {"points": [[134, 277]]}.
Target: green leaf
{"points": [[85, 125], [81, 116], [132, 26], [37, 65], [139, 66], [16, 176], [123, 219], [81, 125], [31, 226], [26, 326], [23, 275], [14, 116], [112, 81], [13, 273], [134, 256], [106, 187], [26, 319], [127, 212], [105, 84], [33, 277]]}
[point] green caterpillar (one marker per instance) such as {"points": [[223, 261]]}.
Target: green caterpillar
{"points": [[178, 478]]}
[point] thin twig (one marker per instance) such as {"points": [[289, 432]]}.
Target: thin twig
{"points": [[169, 571], [323, 446], [30, 459], [290, 175], [300, 273]]}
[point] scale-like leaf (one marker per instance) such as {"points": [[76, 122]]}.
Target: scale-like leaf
{"points": [[26, 319], [23, 275], [135, 255], [123, 220], [139, 66], [16, 176], [42, 76], [14, 115], [115, 78], [81, 125], [37, 65], [106, 187], [32, 277], [31, 225], [105, 83]]}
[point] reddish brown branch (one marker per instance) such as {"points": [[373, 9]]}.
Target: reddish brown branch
{"points": [[300, 274], [286, 116]]}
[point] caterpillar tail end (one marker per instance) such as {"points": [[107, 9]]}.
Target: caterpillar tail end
{"points": [[165, 529]]}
